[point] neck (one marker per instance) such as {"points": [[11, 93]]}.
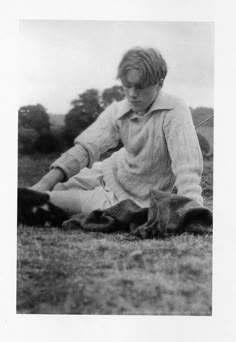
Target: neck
{"points": [[143, 112]]}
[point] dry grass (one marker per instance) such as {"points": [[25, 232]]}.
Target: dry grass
{"points": [[91, 273]]}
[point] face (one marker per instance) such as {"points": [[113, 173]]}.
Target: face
{"points": [[139, 97]]}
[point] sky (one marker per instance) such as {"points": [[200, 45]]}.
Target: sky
{"points": [[60, 59]]}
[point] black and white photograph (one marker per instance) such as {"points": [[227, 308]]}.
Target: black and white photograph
{"points": [[117, 170], [115, 167]]}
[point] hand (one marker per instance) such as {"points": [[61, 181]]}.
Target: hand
{"points": [[49, 180]]}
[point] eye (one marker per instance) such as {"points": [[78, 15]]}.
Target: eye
{"points": [[136, 87], [126, 86], [139, 87]]}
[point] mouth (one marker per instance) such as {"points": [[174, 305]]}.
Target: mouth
{"points": [[135, 102]]}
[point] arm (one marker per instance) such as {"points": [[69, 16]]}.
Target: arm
{"points": [[48, 181], [185, 152], [102, 135]]}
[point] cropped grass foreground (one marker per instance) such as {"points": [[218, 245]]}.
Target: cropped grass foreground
{"points": [[76, 272]]}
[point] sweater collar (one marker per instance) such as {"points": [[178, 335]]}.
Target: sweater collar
{"points": [[162, 101]]}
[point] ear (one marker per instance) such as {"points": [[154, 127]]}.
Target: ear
{"points": [[160, 83]]}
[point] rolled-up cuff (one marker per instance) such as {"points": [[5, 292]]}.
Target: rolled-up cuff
{"points": [[72, 161]]}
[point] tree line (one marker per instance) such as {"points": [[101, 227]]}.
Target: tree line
{"points": [[36, 134]]}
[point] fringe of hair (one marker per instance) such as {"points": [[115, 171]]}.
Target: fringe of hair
{"points": [[149, 62]]}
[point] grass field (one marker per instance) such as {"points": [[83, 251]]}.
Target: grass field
{"points": [[94, 273]]}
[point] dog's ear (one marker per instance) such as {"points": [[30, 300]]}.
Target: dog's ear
{"points": [[32, 197]]}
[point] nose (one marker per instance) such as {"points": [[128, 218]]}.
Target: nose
{"points": [[133, 92]]}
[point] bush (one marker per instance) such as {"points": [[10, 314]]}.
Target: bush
{"points": [[204, 144], [34, 117], [27, 138], [85, 109], [48, 143]]}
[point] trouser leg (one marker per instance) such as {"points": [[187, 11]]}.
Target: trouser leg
{"points": [[84, 192], [76, 201]]}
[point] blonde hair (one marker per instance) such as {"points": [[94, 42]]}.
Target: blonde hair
{"points": [[149, 62]]}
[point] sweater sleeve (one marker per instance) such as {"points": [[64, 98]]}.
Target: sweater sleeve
{"points": [[102, 135], [185, 152], [72, 161]]}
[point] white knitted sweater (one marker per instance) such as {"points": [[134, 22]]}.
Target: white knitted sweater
{"points": [[160, 150]]}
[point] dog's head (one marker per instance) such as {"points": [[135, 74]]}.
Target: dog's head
{"points": [[34, 209]]}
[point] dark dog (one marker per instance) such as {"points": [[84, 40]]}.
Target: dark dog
{"points": [[35, 209]]}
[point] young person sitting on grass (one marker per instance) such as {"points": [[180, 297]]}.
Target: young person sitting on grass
{"points": [[161, 148]]}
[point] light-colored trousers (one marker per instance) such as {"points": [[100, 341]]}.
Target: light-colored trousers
{"points": [[84, 192]]}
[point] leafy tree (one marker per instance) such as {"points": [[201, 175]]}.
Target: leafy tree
{"points": [[88, 102], [204, 144], [111, 94], [34, 117], [27, 138], [84, 111], [48, 143]]}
